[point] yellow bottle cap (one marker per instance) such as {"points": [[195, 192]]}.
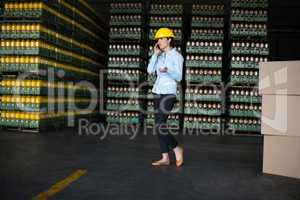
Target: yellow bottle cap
{"points": [[20, 6], [38, 83], [27, 116], [18, 83], [26, 6], [16, 60], [9, 83], [18, 116], [28, 99], [27, 83], [13, 115], [18, 99]]}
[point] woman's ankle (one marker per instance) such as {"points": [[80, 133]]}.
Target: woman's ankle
{"points": [[165, 156], [177, 149]]}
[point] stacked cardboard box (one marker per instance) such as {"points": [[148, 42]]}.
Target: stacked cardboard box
{"points": [[279, 87]]}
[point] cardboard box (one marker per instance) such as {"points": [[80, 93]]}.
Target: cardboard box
{"points": [[280, 115], [279, 78], [282, 156]]}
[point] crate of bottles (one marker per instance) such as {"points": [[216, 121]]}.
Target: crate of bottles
{"points": [[35, 64], [245, 95], [34, 120], [250, 48], [24, 87], [244, 76], [125, 20], [207, 34], [203, 94], [23, 9], [21, 63], [125, 62], [125, 33], [245, 109], [203, 75], [202, 122], [158, 21], [124, 75], [245, 124], [166, 9], [207, 22], [126, 8], [202, 108], [204, 47], [123, 117], [21, 31], [41, 103], [130, 50], [247, 61], [20, 119], [213, 10], [40, 48], [123, 104], [200, 61], [122, 92], [41, 87], [249, 3], [37, 31], [249, 29], [24, 103], [249, 15], [22, 47]]}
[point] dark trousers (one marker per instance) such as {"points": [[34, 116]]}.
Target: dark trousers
{"points": [[163, 105]]}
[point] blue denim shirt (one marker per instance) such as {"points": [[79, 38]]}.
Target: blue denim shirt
{"points": [[166, 82]]}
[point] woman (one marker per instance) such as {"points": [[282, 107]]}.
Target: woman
{"points": [[167, 62]]}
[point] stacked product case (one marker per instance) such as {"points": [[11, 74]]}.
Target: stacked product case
{"points": [[126, 63], [249, 46], [204, 62], [47, 50]]}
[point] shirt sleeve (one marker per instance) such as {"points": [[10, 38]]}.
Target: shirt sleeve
{"points": [[152, 64], [175, 72]]}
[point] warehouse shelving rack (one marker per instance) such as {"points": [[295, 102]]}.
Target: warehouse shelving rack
{"points": [[204, 67], [249, 46], [127, 63], [224, 58]]}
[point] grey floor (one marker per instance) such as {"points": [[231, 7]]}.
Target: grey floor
{"points": [[120, 168]]}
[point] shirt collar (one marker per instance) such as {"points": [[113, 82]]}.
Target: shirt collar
{"points": [[172, 50]]}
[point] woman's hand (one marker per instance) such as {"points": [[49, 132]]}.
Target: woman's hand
{"points": [[163, 69], [156, 49]]}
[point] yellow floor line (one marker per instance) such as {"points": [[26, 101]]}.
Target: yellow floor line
{"points": [[59, 186]]}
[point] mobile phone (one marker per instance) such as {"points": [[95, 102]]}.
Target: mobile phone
{"points": [[157, 46]]}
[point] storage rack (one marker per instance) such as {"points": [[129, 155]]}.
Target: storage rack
{"points": [[125, 99], [248, 47], [43, 60], [204, 62], [170, 15]]}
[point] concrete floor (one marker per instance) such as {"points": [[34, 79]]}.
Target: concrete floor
{"points": [[119, 168]]}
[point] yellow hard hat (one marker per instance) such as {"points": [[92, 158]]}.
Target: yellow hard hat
{"points": [[164, 33]]}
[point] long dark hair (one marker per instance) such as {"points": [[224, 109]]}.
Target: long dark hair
{"points": [[172, 41]]}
